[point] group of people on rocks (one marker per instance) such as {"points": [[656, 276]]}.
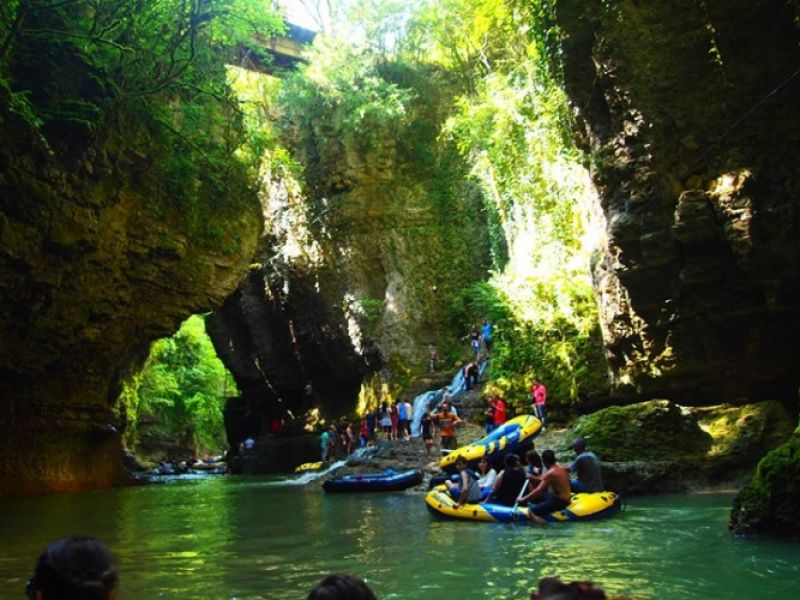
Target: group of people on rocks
{"points": [[542, 484], [391, 422], [79, 567], [336, 442]]}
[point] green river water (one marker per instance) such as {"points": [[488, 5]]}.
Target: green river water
{"points": [[229, 537]]}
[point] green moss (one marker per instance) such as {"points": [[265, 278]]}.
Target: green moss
{"points": [[651, 430], [768, 505]]}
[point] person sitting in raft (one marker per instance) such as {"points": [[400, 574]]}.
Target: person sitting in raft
{"points": [[486, 476], [467, 490], [587, 467], [509, 483], [534, 468], [556, 478], [74, 567]]}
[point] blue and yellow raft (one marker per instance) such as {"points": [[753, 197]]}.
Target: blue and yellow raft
{"points": [[584, 507], [515, 435]]}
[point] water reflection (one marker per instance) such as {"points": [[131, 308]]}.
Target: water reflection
{"points": [[247, 539]]}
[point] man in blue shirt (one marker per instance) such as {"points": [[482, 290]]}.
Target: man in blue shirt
{"points": [[587, 468], [486, 334]]}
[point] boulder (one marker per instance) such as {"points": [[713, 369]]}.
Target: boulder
{"points": [[768, 504], [653, 430]]}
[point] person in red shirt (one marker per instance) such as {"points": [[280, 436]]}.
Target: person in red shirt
{"points": [[539, 397], [499, 411]]}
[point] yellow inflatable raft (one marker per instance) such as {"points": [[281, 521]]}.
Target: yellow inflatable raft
{"points": [[515, 435], [584, 507], [312, 466]]}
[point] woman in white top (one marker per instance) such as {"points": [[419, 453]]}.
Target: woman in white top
{"points": [[486, 474]]}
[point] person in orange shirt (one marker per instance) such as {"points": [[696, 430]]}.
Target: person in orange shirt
{"points": [[447, 421]]}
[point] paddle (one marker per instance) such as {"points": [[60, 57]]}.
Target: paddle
{"points": [[521, 494]]}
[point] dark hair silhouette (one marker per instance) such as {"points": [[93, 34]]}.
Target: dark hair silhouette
{"points": [[340, 586], [548, 458], [74, 568]]}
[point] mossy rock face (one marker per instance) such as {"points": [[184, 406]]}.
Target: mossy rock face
{"points": [[768, 505], [742, 434], [652, 430]]}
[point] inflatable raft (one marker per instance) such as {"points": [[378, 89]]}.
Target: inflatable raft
{"points": [[584, 507], [515, 435], [388, 481], [312, 466]]}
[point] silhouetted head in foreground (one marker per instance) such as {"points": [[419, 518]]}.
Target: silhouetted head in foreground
{"points": [[340, 586], [551, 588], [74, 568]]}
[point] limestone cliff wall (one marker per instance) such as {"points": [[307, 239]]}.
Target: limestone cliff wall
{"points": [[689, 112], [355, 276], [93, 266]]}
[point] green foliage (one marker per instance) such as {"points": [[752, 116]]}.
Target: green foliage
{"points": [[154, 71], [341, 94], [183, 386]]}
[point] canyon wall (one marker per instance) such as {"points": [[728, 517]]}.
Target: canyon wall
{"points": [[688, 111], [96, 261], [355, 273]]}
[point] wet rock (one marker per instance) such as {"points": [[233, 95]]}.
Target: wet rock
{"points": [[768, 504]]}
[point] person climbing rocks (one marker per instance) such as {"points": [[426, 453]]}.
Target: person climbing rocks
{"points": [[539, 398], [471, 373], [474, 337], [486, 336], [433, 356], [587, 468]]}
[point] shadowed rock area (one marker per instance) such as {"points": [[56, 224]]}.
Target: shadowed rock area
{"points": [[690, 118]]}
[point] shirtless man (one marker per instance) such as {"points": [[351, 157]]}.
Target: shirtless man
{"points": [[556, 478]]}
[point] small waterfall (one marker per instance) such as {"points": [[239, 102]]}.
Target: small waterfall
{"points": [[310, 476], [424, 401]]}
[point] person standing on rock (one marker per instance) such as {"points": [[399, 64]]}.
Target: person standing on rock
{"points": [[386, 421], [447, 421], [489, 415], [410, 414], [587, 468], [499, 411], [539, 398], [325, 444], [395, 421], [402, 420], [426, 426]]}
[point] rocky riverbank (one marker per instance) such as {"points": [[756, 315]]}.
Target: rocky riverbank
{"points": [[646, 448]]}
